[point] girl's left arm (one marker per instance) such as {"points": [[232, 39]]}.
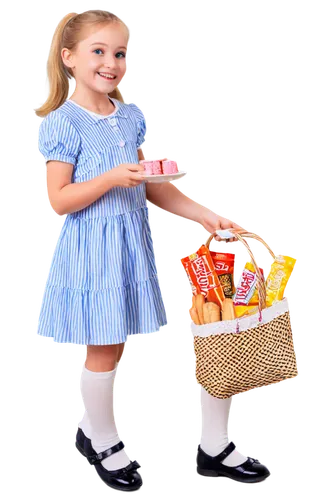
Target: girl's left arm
{"points": [[170, 199], [166, 196]]}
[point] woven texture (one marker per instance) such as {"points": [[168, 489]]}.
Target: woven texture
{"points": [[229, 364]]}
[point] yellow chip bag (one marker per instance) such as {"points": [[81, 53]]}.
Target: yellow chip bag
{"points": [[245, 310], [278, 277]]}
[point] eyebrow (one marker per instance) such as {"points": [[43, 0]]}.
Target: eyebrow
{"points": [[101, 43]]}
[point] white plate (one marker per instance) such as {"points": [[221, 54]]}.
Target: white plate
{"points": [[164, 177]]}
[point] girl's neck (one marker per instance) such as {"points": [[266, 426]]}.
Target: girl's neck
{"points": [[102, 106]]}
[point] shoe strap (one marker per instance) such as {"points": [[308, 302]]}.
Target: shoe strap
{"points": [[98, 457], [231, 446]]}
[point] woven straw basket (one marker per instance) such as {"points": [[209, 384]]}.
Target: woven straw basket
{"points": [[242, 354]]}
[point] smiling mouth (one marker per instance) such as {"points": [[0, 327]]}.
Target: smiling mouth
{"points": [[106, 77]]}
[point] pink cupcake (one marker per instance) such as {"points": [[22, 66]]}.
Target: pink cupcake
{"points": [[169, 167]]}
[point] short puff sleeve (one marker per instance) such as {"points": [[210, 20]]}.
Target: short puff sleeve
{"points": [[58, 138], [141, 127]]}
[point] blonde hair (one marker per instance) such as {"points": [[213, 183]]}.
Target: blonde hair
{"points": [[69, 33]]}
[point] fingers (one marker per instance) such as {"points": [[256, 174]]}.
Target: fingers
{"points": [[133, 167], [228, 242], [136, 179], [234, 229]]}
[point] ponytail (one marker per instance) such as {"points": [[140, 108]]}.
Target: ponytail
{"points": [[57, 74], [67, 34]]}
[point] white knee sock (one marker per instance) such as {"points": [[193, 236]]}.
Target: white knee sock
{"points": [[97, 393], [214, 437]]}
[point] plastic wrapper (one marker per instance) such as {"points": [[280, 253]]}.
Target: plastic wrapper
{"points": [[246, 292], [202, 276], [278, 278]]}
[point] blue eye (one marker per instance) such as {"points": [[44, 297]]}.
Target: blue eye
{"points": [[122, 53], [97, 49]]}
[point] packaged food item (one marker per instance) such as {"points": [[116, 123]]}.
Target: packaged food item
{"points": [[241, 311], [254, 300], [278, 277], [246, 293], [226, 262], [202, 276], [186, 264]]}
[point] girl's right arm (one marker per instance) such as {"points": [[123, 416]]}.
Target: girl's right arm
{"points": [[67, 197]]}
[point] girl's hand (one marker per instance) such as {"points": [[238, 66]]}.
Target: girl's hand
{"points": [[127, 174], [212, 221]]}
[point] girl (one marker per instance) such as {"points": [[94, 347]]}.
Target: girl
{"points": [[103, 284]]}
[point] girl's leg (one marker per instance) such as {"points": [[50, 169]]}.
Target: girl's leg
{"points": [[214, 437], [92, 364], [97, 383], [120, 351], [103, 357]]}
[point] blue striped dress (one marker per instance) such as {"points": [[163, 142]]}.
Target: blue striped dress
{"points": [[102, 283]]}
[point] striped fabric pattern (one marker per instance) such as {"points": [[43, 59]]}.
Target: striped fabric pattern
{"points": [[102, 283]]}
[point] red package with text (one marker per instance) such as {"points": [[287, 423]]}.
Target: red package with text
{"points": [[203, 279], [226, 262]]}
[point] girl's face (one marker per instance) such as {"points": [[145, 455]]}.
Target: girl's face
{"points": [[102, 52]]}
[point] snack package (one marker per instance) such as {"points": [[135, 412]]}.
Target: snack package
{"points": [[202, 276], [226, 262], [213, 291], [246, 292], [245, 310], [278, 277]]}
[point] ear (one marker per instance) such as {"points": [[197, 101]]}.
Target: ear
{"points": [[67, 58]]}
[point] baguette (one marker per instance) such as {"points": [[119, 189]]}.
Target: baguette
{"points": [[215, 312], [194, 313], [212, 312], [228, 311], [194, 316], [193, 300], [206, 312], [199, 302]]}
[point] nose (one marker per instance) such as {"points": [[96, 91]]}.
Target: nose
{"points": [[111, 62]]}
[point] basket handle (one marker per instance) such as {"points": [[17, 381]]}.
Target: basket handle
{"points": [[240, 235]]}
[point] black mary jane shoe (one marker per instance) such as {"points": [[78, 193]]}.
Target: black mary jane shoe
{"points": [[251, 471], [126, 478]]}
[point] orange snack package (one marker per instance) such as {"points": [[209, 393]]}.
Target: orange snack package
{"points": [[226, 262], [202, 276]]}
